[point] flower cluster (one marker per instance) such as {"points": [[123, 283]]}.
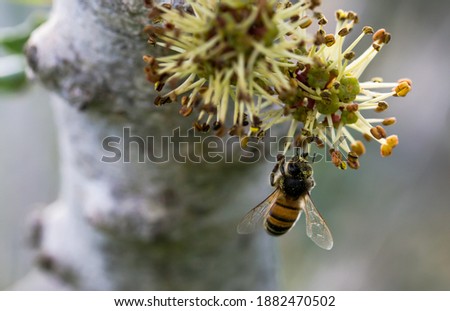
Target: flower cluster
{"points": [[245, 66], [226, 53], [330, 98]]}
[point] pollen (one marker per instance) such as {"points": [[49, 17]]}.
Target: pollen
{"points": [[385, 150], [358, 148], [392, 140], [403, 87], [389, 121]]}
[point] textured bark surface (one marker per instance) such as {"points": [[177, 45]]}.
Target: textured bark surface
{"points": [[132, 226]]}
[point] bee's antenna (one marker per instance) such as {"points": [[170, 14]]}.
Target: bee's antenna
{"points": [[304, 155], [314, 157]]}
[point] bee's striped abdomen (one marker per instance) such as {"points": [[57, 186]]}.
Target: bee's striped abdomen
{"points": [[282, 216]]}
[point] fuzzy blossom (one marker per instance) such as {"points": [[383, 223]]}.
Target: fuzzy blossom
{"points": [[330, 99], [250, 65], [223, 55]]}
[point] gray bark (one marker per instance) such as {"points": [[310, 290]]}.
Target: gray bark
{"points": [[132, 226]]}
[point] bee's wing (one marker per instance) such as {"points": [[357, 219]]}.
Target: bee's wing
{"points": [[316, 228], [250, 221]]}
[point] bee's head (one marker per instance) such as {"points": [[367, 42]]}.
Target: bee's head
{"points": [[299, 167], [294, 169]]}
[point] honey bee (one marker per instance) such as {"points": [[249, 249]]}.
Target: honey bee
{"points": [[281, 209]]}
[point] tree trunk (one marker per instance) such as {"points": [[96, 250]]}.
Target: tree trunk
{"points": [[132, 226]]}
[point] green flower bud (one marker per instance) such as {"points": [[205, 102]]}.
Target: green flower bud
{"points": [[318, 77], [348, 89], [300, 114], [349, 117], [329, 105]]}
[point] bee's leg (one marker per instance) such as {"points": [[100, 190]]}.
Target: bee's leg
{"points": [[275, 170], [305, 153], [272, 177], [282, 162], [280, 157], [296, 157], [272, 174], [305, 156], [306, 146]]}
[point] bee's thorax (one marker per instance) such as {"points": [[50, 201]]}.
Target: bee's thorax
{"points": [[295, 187]]}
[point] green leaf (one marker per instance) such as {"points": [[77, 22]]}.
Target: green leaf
{"points": [[13, 39], [12, 72]]}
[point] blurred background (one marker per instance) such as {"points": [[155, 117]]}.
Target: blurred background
{"points": [[28, 157], [390, 219]]}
